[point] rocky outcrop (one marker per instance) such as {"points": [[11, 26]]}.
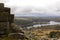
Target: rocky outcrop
{"points": [[5, 19], [7, 26]]}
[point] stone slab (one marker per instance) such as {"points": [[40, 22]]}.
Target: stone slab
{"points": [[5, 10], [11, 18], [4, 26], [1, 5], [4, 14]]}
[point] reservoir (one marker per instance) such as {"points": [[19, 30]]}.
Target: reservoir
{"points": [[49, 23]]}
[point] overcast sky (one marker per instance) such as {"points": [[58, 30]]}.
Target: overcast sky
{"points": [[27, 6], [35, 3]]}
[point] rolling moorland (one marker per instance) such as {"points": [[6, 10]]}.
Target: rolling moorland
{"points": [[39, 32], [28, 21]]}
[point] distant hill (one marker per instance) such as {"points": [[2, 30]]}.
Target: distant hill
{"points": [[36, 15]]}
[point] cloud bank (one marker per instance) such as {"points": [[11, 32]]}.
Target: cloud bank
{"points": [[35, 7]]}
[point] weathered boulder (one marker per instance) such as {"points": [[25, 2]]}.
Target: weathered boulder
{"points": [[17, 36]]}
